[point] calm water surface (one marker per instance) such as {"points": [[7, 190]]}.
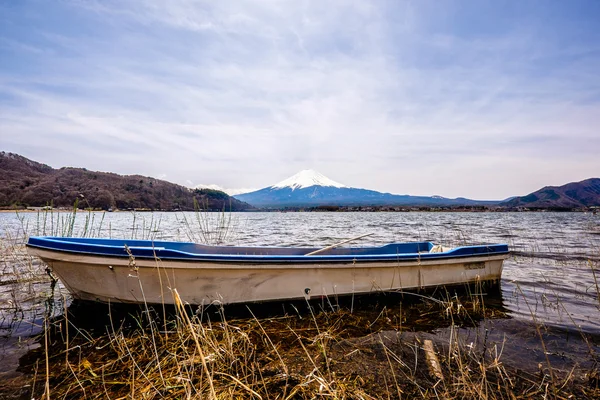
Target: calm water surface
{"points": [[549, 275]]}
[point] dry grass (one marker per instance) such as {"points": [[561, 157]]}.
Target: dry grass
{"points": [[326, 354]]}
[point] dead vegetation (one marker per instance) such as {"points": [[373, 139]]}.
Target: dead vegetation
{"points": [[331, 353]]}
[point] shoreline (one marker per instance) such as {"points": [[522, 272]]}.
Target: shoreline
{"points": [[377, 350], [316, 209]]}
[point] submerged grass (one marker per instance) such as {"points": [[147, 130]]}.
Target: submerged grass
{"points": [[316, 352]]}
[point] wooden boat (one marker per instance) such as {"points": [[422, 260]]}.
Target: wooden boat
{"points": [[140, 271]]}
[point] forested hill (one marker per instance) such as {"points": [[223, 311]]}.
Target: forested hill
{"points": [[572, 195], [24, 182]]}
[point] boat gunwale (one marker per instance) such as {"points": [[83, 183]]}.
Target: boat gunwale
{"points": [[153, 263]]}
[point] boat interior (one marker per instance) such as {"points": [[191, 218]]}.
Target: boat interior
{"points": [[196, 248]]}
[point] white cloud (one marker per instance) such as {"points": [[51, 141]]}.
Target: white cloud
{"points": [[229, 191]]}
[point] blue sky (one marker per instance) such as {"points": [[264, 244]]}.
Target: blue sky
{"points": [[483, 99]]}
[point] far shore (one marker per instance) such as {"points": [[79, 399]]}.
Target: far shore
{"points": [[593, 210]]}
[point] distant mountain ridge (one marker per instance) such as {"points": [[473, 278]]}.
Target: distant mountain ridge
{"points": [[24, 182], [581, 194], [310, 188]]}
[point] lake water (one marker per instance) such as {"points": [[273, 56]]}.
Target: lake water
{"points": [[549, 275]]}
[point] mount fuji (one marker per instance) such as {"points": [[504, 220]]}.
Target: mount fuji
{"points": [[309, 188]]}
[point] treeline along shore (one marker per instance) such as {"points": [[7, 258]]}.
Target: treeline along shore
{"points": [[25, 183]]}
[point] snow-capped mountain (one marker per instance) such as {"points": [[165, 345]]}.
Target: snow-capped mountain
{"points": [[309, 188], [307, 178]]}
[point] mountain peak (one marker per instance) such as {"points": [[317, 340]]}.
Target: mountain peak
{"points": [[315, 189], [307, 178]]}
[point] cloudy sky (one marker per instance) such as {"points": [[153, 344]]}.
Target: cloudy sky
{"points": [[483, 99]]}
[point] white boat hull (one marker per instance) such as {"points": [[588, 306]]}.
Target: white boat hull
{"points": [[123, 280]]}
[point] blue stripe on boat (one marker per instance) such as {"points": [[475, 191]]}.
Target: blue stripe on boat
{"points": [[192, 251]]}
